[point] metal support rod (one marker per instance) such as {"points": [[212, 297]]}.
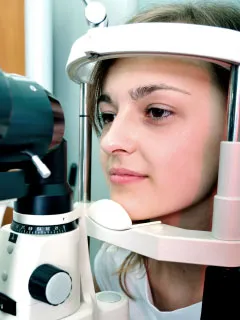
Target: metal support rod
{"points": [[85, 146], [234, 105], [86, 2], [85, 129]]}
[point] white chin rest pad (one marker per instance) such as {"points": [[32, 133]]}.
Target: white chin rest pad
{"points": [[109, 214]]}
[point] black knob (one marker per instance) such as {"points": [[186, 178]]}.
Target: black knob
{"points": [[50, 284]]}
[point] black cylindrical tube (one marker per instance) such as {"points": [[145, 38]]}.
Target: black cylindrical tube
{"points": [[5, 106], [32, 119]]}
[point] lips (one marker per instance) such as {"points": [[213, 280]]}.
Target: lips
{"points": [[124, 176], [125, 172]]}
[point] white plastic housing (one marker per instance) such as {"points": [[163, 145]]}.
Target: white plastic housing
{"points": [[204, 42], [112, 305], [18, 260], [167, 243], [67, 251], [108, 309]]}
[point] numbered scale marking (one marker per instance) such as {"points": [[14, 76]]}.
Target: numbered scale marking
{"points": [[43, 230]]}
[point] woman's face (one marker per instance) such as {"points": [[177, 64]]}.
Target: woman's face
{"points": [[163, 123]]}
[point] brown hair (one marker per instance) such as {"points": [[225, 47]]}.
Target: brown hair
{"points": [[210, 14]]}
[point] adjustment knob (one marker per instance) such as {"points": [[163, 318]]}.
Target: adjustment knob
{"points": [[50, 284]]}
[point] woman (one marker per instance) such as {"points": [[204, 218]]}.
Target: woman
{"points": [[161, 121]]}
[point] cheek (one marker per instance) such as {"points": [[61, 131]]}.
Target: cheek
{"points": [[103, 160], [182, 162], [179, 169], [211, 149], [186, 160]]}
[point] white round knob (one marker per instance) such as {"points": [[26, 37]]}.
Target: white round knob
{"points": [[58, 288], [50, 284], [95, 12]]}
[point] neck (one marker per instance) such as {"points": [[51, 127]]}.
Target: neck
{"points": [[178, 285]]}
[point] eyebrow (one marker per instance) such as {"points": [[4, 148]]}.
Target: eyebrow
{"points": [[141, 92], [144, 91]]}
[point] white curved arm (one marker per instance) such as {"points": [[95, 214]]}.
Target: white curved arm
{"points": [[203, 42]]}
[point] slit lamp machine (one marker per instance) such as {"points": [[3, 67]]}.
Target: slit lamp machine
{"points": [[44, 260]]}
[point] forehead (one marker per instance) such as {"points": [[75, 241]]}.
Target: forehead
{"points": [[161, 60], [134, 69]]}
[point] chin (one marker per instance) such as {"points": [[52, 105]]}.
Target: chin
{"points": [[137, 210]]}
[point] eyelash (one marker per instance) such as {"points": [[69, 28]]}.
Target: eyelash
{"points": [[160, 117], [107, 117]]}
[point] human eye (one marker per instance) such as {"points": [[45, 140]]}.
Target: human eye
{"points": [[106, 118], [158, 113]]}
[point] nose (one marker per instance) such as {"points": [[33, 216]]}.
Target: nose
{"points": [[120, 137]]}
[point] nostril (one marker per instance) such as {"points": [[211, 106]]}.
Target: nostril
{"points": [[119, 151]]}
